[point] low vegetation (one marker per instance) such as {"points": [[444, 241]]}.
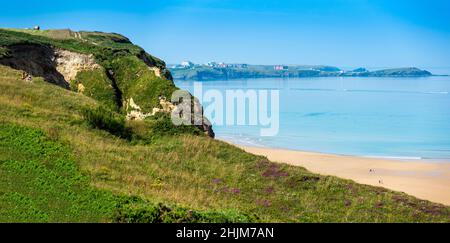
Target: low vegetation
{"points": [[58, 164], [137, 81], [107, 120], [96, 84], [136, 210], [40, 182]]}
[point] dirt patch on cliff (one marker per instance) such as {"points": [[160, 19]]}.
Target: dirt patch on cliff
{"points": [[70, 63], [36, 60], [54, 65]]}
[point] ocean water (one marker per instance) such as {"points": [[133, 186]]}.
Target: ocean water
{"points": [[405, 118]]}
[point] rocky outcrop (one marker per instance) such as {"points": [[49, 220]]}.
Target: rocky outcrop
{"points": [[70, 63], [157, 71], [206, 125], [54, 65], [113, 72], [36, 60], [134, 112], [81, 88]]}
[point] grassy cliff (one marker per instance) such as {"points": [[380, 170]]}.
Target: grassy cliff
{"points": [[66, 156], [123, 70]]}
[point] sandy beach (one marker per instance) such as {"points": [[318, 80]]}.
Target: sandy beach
{"points": [[424, 180]]}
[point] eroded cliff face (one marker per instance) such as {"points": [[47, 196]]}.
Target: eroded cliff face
{"points": [[61, 67], [56, 66], [69, 64], [134, 112], [35, 60]]}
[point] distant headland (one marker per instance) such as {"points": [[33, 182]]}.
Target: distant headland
{"points": [[222, 71]]}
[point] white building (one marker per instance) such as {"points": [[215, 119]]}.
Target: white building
{"points": [[187, 64]]}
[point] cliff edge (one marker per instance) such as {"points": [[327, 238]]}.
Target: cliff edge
{"points": [[107, 67]]}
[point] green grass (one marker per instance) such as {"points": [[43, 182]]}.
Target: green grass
{"points": [[136, 81], [157, 127], [40, 182], [98, 86], [135, 210], [195, 177], [104, 119]]}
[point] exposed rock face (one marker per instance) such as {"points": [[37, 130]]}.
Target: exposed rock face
{"points": [[135, 113], [70, 63], [157, 71], [60, 66], [136, 116], [54, 65], [206, 125], [36, 60], [81, 88], [196, 117], [166, 105]]}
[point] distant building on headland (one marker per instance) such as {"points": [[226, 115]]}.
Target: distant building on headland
{"points": [[222, 65], [280, 67], [187, 64], [37, 27], [227, 65]]}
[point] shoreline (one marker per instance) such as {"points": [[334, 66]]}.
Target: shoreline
{"points": [[398, 158], [425, 180]]}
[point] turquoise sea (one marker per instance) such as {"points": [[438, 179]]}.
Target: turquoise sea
{"points": [[404, 118]]}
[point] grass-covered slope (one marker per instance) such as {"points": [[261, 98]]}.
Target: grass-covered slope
{"points": [[42, 178], [136, 81], [56, 165], [41, 183]]}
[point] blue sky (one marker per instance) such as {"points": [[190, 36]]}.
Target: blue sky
{"points": [[343, 33]]}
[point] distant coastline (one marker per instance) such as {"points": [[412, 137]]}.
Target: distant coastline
{"points": [[222, 71]]}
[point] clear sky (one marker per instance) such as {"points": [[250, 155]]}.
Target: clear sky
{"points": [[377, 33]]}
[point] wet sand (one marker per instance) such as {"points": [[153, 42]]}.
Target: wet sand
{"points": [[422, 179]]}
